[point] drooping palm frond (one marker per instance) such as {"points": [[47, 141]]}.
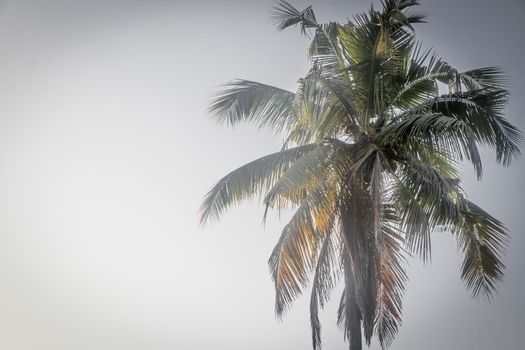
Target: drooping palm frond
{"points": [[294, 256], [261, 104], [483, 241], [249, 180], [414, 221], [424, 206], [349, 315], [425, 189], [391, 279], [324, 280], [482, 110], [436, 131]]}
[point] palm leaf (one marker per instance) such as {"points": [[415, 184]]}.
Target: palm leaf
{"points": [[482, 111], [324, 280], [248, 180], [483, 241], [305, 173], [484, 78], [261, 104], [285, 15], [391, 280], [294, 255]]}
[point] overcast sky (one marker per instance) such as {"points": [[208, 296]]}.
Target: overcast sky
{"points": [[106, 151]]}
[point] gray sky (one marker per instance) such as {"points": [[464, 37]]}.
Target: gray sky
{"points": [[106, 151]]}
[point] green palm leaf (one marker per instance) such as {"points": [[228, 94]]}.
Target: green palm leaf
{"points": [[249, 180], [261, 104], [483, 241]]}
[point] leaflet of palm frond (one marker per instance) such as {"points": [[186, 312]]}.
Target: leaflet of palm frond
{"points": [[324, 281], [248, 101], [482, 110], [249, 180], [341, 313], [483, 241], [285, 15], [295, 254]]}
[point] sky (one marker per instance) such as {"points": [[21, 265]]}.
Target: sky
{"points": [[106, 150]]}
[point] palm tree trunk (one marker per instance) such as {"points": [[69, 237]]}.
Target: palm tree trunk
{"points": [[355, 329], [354, 224], [353, 314]]}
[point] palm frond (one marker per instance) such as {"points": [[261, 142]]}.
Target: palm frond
{"points": [[342, 91], [483, 241], [304, 174], [349, 315], [295, 254], [285, 15], [482, 110], [261, 104], [324, 280], [436, 131], [325, 50], [250, 179], [484, 78], [391, 280], [420, 77], [427, 193]]}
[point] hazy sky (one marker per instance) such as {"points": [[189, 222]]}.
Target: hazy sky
{"points": [[106, 151]]}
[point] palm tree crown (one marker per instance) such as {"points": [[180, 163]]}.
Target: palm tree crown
{"points": [[372, 140]]}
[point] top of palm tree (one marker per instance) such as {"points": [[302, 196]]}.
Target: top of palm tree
{"points": [[373, 136]]}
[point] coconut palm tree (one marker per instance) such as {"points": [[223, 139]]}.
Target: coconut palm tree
{"points": [[373, 137]]}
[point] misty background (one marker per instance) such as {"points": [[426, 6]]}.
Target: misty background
{"points": [[106, 151]]}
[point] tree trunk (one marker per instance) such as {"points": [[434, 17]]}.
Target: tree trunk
{"points": [[355, 329], [353, 314], [355, 224]]}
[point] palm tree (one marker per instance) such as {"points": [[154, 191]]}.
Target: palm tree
{"points": [[372, 141]]}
